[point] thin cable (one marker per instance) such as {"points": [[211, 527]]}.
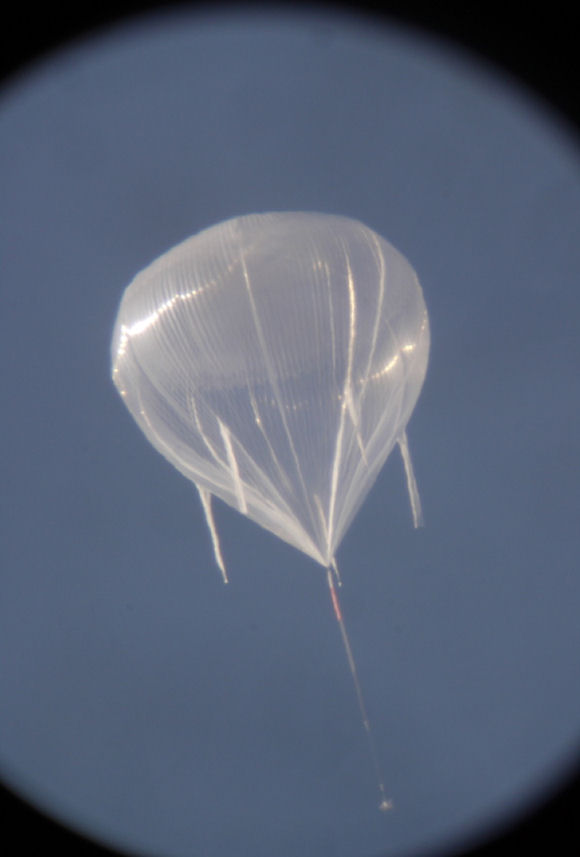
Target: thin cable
{"points": [[385, 802]]}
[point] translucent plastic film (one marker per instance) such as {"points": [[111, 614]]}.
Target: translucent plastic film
{"points": [[275, 360]]}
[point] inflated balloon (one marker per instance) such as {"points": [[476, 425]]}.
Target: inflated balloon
{"points": [[275, 360]]}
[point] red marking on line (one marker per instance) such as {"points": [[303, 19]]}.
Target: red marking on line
{"points": [[335, 604]]}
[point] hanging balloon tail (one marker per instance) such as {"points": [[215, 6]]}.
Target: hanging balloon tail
{"points": [[414, 498], [205, 498], [385, 803]]}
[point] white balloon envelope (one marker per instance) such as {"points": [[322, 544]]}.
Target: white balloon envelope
{"points": [[275, 360]]}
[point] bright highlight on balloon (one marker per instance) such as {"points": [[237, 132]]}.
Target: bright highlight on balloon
{"points": [[275, 360]]}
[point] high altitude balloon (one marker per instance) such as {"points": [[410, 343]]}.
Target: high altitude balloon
{"points": [[275, 360]]}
